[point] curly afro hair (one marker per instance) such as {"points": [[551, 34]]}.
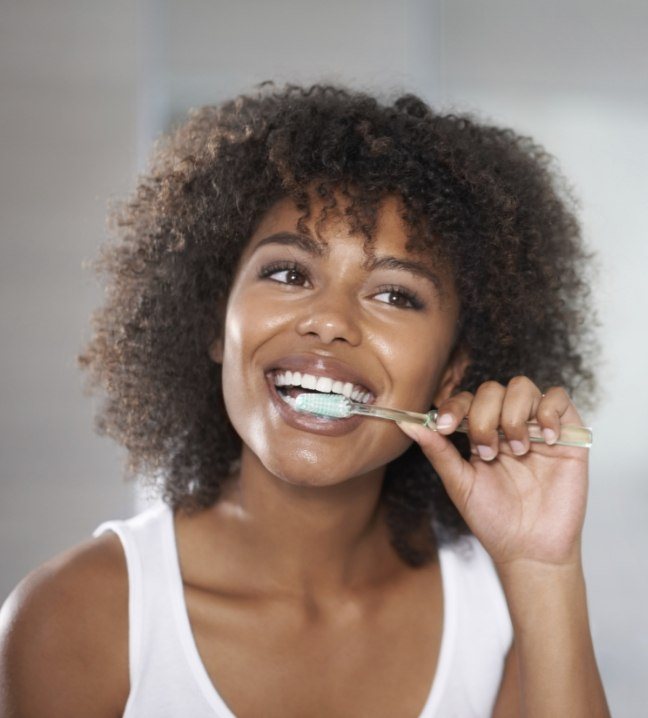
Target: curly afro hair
{"points": [[486, 200]]}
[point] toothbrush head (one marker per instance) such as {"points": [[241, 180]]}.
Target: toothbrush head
{"points": [[335, 406]]}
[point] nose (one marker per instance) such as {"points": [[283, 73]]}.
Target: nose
{"points": [[330, 320]]}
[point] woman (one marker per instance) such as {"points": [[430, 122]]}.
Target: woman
{"points": [[316, 239]]}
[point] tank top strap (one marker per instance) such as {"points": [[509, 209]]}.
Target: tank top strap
{"points": [[152, 637], [167, 678], [481, 630], [134, 570]]}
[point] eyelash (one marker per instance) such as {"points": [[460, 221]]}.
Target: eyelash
{"points": [[269, 269], [413, 299]]}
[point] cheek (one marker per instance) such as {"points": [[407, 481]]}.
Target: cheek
{"points": [[415, 362], [422, 387], [250, 324], [251, 319], [239, 340]]}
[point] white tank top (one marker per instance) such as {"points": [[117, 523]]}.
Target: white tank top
{"points": [[168, 678]]}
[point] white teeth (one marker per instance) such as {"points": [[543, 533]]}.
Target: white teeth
{"points": [[289, 400], [322, 384]]}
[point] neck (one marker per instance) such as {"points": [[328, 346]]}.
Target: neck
{"points": [[306, 541]]}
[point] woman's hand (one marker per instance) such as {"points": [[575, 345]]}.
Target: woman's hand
{"points": [[524, 501]]}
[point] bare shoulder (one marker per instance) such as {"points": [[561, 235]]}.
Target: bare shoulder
{"points": [[64, 636]]}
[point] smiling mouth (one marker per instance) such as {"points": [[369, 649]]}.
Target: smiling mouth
{"points": [[290, 384]]}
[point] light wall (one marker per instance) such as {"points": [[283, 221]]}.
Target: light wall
{"points": [[67, 144]]}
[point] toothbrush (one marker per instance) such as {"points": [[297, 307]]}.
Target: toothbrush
{"points": [[340, 407]]}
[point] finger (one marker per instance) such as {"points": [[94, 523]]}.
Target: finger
{"points": [[553, 406], [452, 411], [520, 403], [484, 419], [446, 460]]}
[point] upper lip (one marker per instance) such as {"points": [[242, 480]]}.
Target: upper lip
{"points": [[322, 366]]}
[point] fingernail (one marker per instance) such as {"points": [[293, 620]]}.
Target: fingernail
{"points": [[549, 436], [444, 421], [517, 447], [485, 452]]}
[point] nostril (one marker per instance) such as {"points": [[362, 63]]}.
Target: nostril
{"points": [[329, 327]]}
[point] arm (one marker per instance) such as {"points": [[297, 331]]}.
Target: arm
{"points": [[508, 698], [527, 508], [557, 668], [559, 663], [63, 637]]}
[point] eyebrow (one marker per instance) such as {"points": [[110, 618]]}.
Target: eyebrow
{"points": [[301, 241], [311, 246], [405, 265]]}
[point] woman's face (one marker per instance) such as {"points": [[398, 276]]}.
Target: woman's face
{"points": [[377, 322]]}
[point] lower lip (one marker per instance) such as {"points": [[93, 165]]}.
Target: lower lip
{"points": [[311, 422]]}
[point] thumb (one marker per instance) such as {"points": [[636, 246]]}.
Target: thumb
{"points": [[456, 474]]}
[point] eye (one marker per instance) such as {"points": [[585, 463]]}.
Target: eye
{"points": [[399, 297], [285, 273]]}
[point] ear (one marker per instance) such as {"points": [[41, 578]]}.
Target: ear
{"points": [[452, 374], [217, 345], [216, 350]]}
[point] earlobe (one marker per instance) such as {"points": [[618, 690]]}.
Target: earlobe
{"points": [[452, 375]]}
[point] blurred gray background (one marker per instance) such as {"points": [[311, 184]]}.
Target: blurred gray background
{"points": [[85, 87]]}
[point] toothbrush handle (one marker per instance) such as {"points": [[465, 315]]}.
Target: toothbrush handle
{"points": [[570, 435], [382, 412]]}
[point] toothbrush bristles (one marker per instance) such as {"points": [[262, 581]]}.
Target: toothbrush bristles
{"points": [[335, 406]]}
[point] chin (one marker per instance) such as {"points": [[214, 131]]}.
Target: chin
{"points": [[309, 470], [302, 471]]}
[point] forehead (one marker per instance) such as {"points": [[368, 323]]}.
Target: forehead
{"points": [[325, 225]]}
